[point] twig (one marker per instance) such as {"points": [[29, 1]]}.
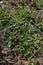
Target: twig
{"points": [[41, 46], [35, 53]]}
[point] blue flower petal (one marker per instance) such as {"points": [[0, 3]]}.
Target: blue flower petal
{"points": [[31, 20], [8, 45]]}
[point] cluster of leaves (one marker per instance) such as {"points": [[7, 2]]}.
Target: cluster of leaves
{"points": [[5, 18], [38, 3], [40, 26], [22, 35]]}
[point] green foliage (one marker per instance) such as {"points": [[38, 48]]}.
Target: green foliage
{"points": [[40, 26], [22, 33], [39, 3]]}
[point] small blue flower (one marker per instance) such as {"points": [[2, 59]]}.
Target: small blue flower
{"points": [[31, 21], [29, 40], [8, 45]]}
